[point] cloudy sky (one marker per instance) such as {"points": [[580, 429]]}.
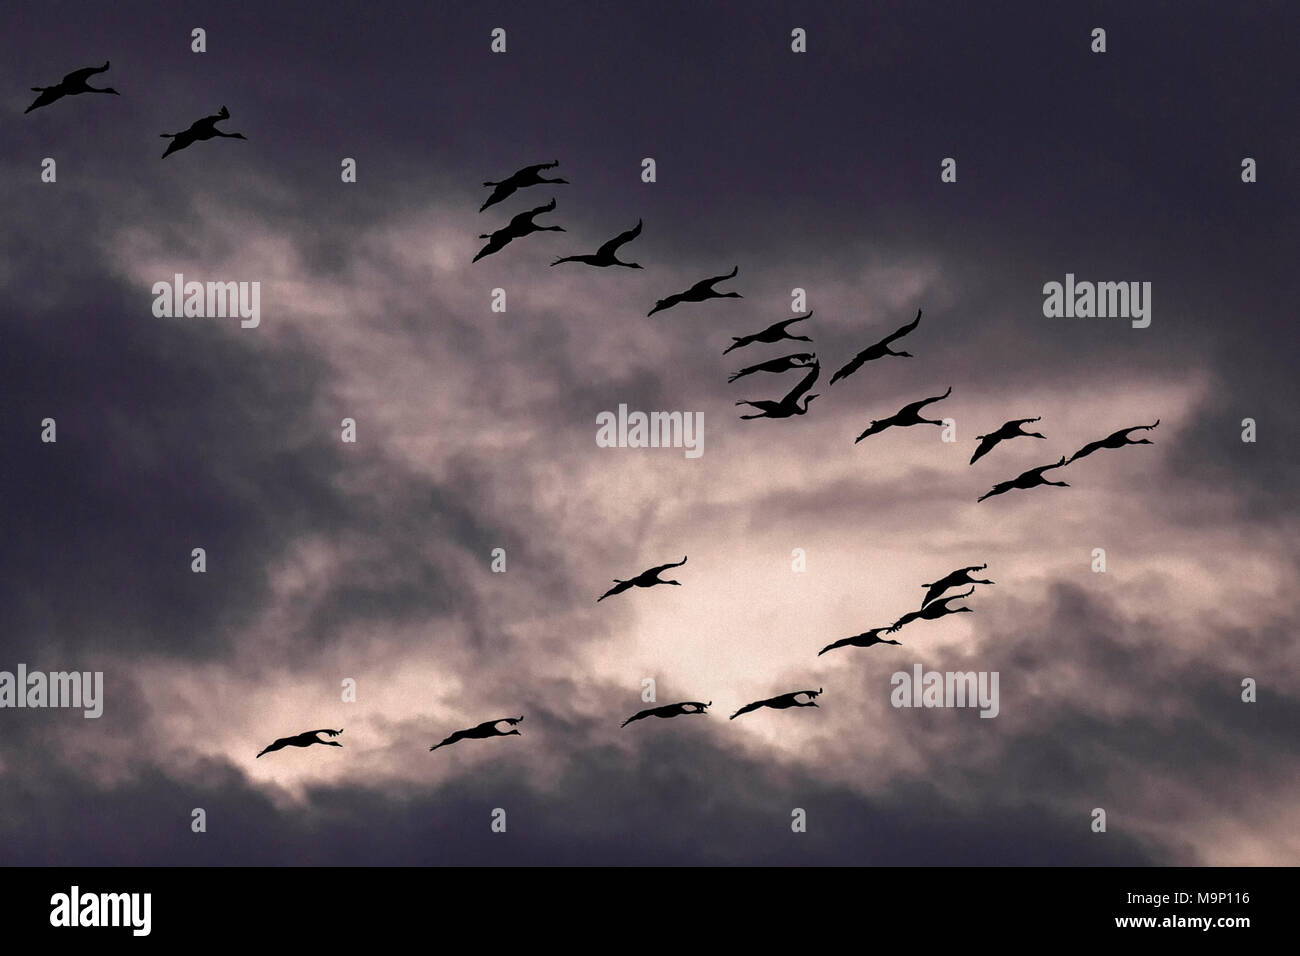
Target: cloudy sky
{"points": [[476, 430]]}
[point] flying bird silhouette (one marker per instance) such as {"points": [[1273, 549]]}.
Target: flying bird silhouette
{"points": [[1114, 440], [773, 333], [646, 579], [70, 85], [932, 612], [782, 364], [199, 130], [865, 639], [670, 710], [951, 580], [304, 740], [879, 350], [699, 292], [486, 729], [907, 415], [528, 176], [781, 702], [1005, 431], [518, 227], [1029, 479], [605, 255]]}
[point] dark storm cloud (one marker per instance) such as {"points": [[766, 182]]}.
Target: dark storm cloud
{"points": [[612, 806]]}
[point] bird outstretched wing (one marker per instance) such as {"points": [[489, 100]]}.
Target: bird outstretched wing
{"points": [[748, 708], [609, 248]]}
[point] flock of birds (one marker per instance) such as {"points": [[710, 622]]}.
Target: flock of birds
{"points": [[523, 224], [934, 604]]}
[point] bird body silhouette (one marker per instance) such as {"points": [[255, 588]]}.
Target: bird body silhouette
{"points": [[907, 415], [1114, 440], [304, 740], [781, 702], [685, 708], [1028, 479], [605, 256], [865, 639], [1005, 431], [879, 350], [518, 227], [699, 292], [773, 333], [484, 730], [199, 130], [783, 364], [951, 580], [528, 176], [646, 579], [70, 85], [934, 611], [789, 405]]}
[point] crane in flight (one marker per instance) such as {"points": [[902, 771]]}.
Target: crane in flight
{"points": [[71, 85], [1005, 431], [782, 702], [1027, 479], [865, 639], [904, 417], [699, 292], [1114, 440], [199, 130], [879, 350], [518, 227], [685, 708], [646, 579], [952, 580], [934, 611], [304, 740], [783, 364], [606, 255], [528, 176], [776, 332], [486, 729]]}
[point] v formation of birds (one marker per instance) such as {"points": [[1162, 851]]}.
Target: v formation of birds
{"points": [[934, 604]]}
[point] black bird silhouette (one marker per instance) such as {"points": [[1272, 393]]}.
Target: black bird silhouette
{"points": [[933, 611], [789, 405], [670, 710], [304, 740], [518, 227], [866, 639], [698, 293], [199, 130], [70, 85], [1005, 431], [486, 729], [1029, 479], [782, 364], [604, 256], [773, 333], [954, 579], [646, 579], [1115, 440], [781, 702], [879, 350], [907, 415], [528, 176]]}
